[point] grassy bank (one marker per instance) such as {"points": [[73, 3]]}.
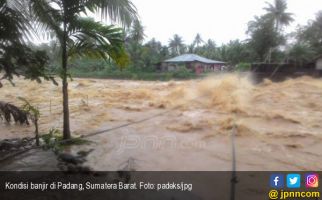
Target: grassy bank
{"points": [[132, 75], [93, 68]]}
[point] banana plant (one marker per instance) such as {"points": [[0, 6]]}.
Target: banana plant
{"points": [[33, 114]]}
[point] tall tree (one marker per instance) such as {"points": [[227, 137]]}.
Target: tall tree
{"points": [[155, 45], [211, 44], [198, 40], [80, 36], [300, 53], [263, 36], [311, 34], [277, 12], [152, 54], [134, 40], [136, 52], [237, 51], [137, 32], [209, 50], [16, 58], [176, 45]]}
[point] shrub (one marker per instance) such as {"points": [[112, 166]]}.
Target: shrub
{"points": [[243, 67], [183, 73]]}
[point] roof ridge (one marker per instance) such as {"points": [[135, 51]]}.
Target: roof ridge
{"points": [[192, 57]]}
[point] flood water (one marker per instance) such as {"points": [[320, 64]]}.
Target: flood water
{"points": [[278, 125]]}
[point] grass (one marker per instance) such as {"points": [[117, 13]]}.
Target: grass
{"points": [[54, 140], [133, 75], [93, 68]]}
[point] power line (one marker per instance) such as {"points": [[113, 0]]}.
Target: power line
{"points": [[109, 130], [141, 120], [131, 123]]}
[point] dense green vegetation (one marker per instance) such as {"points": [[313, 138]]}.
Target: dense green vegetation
{"points": [[267, 42], [75, 35], [82, 37], [54, 140], [16, 57], [89, 68]]}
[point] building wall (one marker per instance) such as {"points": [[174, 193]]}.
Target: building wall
{"points": [[196, 67], [202, 67]]}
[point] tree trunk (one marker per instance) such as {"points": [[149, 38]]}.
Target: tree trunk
{"points": [[66, 128], [270, 55]]}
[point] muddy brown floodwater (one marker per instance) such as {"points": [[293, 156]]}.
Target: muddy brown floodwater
{"points": [[278, 124]]}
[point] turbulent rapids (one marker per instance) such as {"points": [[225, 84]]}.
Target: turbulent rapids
{"points": [[276, 122]]}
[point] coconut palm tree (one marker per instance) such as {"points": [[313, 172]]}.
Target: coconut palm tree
{"points": [[300, 53], [277, 12], [79, 36], [312, 34], [136, 32], [211, 44], [176, 45], [16, 58], [198, 40], [209, 50], [263, 37]]}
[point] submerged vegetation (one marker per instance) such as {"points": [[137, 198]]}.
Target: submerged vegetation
{"points": [[9, 112], [33, 114], [54, 140]]}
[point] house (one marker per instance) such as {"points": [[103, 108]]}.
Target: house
{"points": [[192, 62]]}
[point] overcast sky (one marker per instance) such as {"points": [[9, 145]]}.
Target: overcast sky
{"points": [[220, 20]]}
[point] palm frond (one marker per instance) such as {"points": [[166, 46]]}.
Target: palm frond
{"points": [[277, 13], [9, 111], [121, 11], [93, 39], [46, 17], [16, 58], [13, 26]]}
